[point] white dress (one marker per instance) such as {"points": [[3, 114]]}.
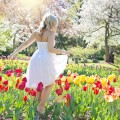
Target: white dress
{"points": [[44, 66]]}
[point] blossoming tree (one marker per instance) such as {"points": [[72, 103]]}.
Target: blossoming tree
{"points": [[101, 19], [24, 17]]}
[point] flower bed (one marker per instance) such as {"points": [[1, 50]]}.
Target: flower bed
{"points": [[74, 95]]}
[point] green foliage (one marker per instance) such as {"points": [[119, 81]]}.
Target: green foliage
{"points": [[5, 38], [75, 8], [99, 54], [83, 53], [117, 50], [64, 42]]}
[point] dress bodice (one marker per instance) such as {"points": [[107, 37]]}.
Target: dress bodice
{"points": [[42, 45]]}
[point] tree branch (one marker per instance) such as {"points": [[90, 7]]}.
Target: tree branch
{"points": [[115, 34], [97, 29], [23, 16], [116, 29]]}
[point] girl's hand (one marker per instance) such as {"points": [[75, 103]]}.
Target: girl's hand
{"points": [[11, 56], [66, 53]]}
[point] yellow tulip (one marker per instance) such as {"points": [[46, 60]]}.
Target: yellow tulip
{"points": [[91, 79], [82, 78], [1, 63], [68, 72], [69, 79], [104, 81], [76, 80], [87, 79], [79, 78], [114, 76], [111, 77]]}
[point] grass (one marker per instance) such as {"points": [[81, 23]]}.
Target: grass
{"points": [[116, 84], [101, 64]]}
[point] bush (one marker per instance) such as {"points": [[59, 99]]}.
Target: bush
{"points": [[100, 54], [7, 52], [83, 53]]}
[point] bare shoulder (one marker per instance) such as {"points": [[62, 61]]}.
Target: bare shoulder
{"points": [[51, 33], [36, 33]]}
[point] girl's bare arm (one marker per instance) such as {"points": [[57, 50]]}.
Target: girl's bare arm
{"points": [[51, 43]]}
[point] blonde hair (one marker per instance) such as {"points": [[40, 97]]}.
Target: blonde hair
{"points": [[49, 22]]}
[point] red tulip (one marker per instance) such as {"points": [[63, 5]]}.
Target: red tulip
{"points": [[32, 92], [5, 82], [18, 70], [27, 89], [111, 90], [19, 74], [40, 84], [67, 86], [59, 82], [114, 80], [93, 88], [1, 87], [68, 98], [85, 88], [108, 82], [24, 79], [74, 76], [0, 78], [96, 91], [59, 91], [9, 73], [6, 89], [39, 87], [21, 86], [25, 98], [61, 75], [98, 84]]}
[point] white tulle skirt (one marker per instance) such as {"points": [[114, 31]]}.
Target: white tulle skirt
{"points": [[44, 67]]}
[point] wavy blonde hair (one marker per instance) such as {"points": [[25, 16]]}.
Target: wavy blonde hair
{"points": [[49, 22]]}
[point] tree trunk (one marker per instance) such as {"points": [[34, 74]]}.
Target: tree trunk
{"points": [[106, 42], [13, 43], [14, 39]]}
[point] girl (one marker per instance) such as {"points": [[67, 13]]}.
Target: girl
{"points": [[44, 66]]}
